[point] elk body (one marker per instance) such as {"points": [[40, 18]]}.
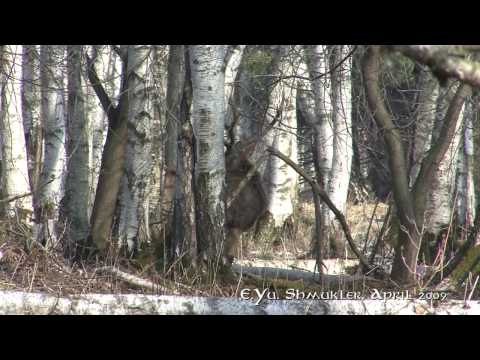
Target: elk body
{"points": [[244, 207]]}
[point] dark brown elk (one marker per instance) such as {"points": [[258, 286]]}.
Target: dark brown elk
{"points": [[244, 207]]}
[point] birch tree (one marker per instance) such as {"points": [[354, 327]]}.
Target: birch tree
{"points": [[465, 185], [138, 157], [14, 168], [411, 204], [341, 88], [441, 198], [233, 60], [31, 112], [208, 118], [52, 110], [330, 68], [281, 180]]}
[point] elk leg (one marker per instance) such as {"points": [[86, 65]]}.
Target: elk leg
{"points": [[231, 244]]}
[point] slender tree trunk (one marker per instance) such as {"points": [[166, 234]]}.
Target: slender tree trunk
{"points": [[317, 63], [184, 230], [441, 197], [31, 113], [307, 108], [208, 118], [113, 156], [176, 81], [184, 212], [138, 157], [14, 167], [174, 172], [105, 63], [465, 180], [280, 179], [361, 126], [77, 186], [339, 179], [53, 111], [232, 64], [154, 201]]}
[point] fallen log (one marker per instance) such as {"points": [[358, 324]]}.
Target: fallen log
{"points": [[24, 303]]}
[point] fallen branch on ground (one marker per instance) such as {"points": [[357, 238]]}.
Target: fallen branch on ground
{"points": [[134, 280], [327, 280]]}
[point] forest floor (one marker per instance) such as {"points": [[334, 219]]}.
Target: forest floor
{"points": [[48, 272]]}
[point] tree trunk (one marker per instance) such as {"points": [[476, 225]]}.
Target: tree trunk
{"points": [[233, 60], [317, 63], [153, 202], [339, 178], [53, 111], [441, 197], [31, 113], [179, 206], [406, 252], [208, 118], [410, 205], [175, 91], [466, 204], [14, 167], [77, 185], [113, 156], [306, 107], [280, 180], [106, 64], [138, 157]]}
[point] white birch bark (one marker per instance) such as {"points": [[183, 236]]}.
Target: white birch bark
{"points": [[31, 303], [208, 119], [53, 110], [341, 94], [282, 180], [138, 157], [233, 60], [317, 63], [442, 190], [14, 169], [341, 116], [465, 181], [98, 120], [31, 112]]}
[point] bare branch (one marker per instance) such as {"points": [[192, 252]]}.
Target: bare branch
{"points": [[102, 95], [444, 61], [323, 195], [437, 152]]}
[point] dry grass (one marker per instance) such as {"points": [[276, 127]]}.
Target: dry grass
{"points": [[39, 270]]}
